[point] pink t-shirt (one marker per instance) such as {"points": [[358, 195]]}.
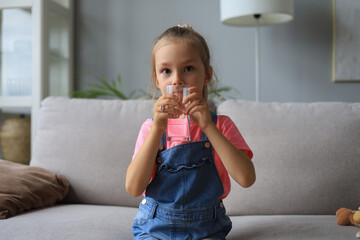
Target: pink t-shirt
{"points": [[226, 127]]}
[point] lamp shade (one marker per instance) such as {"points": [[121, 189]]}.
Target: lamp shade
{"points": [[241, 12]]}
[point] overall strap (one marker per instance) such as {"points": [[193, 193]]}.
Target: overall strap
{"points": [[214, 119], [163, 139]]}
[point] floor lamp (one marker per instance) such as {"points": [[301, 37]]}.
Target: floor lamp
{"points": [[256, 13]]}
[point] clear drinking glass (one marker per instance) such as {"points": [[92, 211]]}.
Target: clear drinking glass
{"points": [[178, 129]]}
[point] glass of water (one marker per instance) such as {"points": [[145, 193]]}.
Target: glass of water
{"points": [[178, 129]]}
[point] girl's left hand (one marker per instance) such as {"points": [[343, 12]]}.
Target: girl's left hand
{"points": [[197, 108]]}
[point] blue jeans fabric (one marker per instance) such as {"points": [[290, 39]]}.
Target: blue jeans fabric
{"points": [[182, 201], [154, 221]]}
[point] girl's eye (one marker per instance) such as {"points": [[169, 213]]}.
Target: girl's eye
{"points": [[165, 71], [189, 68]]}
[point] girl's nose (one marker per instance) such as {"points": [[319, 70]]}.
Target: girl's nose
{"points": [[177, 79]]}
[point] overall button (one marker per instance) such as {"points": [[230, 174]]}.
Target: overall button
{"points": [[159, 160], [161, 147], [207, 144], [143, 202], [221, 204]]}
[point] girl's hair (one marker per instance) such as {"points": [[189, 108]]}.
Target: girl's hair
{"points": [[187, 34]]}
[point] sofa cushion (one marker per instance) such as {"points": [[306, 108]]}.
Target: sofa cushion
{"points": [[289, 227], [83, 221], [90, 142], [306, 157], [24, 187], [71, 222]]}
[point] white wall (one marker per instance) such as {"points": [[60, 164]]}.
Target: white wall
{"points": [[115, 37]]}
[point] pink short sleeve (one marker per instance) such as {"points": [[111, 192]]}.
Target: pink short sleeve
{"points": [[231, 132], [144, 131]]}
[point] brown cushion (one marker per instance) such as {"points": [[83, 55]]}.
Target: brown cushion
{"points": [[25, 187]]}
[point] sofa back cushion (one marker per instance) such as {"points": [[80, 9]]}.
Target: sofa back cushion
{"points": [[306, 156], [91, 143]]}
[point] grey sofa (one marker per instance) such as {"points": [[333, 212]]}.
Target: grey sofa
{"points": [[307, 160]]}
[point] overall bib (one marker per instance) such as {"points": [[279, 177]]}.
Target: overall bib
{"points": [[182, 201]]}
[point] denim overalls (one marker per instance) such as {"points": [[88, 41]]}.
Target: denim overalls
{"points": [[182, 201]]}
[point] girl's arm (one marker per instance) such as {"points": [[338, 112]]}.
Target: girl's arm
{"points": [[140, 170], [236, 162]]}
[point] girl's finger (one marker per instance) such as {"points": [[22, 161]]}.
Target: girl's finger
{"points": [[192, 97], [194, 89], [197, 105], [169, 106], [172, 110]]}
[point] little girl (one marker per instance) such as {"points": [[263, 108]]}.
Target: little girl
{"points": [[184, 183]]}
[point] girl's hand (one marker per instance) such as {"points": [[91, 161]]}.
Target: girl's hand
{"points": [[167, 106], [198, 108]]}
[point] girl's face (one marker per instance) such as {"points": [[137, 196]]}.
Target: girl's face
{"points": [[178, 63]]}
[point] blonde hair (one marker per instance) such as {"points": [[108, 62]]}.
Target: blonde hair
{"points": [[187, 34]]}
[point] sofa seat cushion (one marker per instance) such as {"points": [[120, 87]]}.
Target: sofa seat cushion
{"points": [[81, 221], [289, 227], [70, 221]]}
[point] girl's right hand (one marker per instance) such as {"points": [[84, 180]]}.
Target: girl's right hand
{"points": [[167, 106]]}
